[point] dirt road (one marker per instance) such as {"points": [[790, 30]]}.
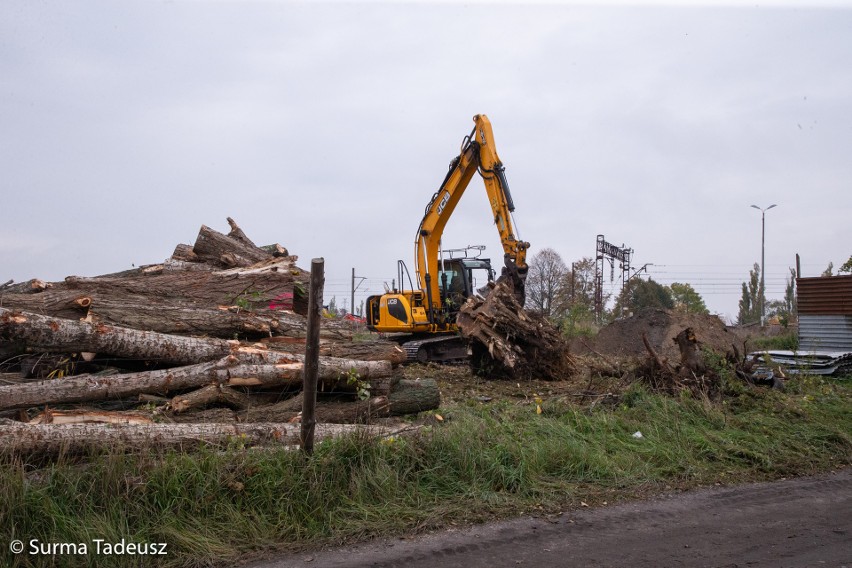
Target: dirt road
{"points": [[793, 523]]}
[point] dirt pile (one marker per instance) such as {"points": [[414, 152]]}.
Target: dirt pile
{"points": [[623, 338]]}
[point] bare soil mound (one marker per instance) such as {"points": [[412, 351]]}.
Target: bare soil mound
{"points": [[623, 338]]}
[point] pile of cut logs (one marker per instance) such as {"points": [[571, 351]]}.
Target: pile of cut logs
{"points": [[205, 346]]}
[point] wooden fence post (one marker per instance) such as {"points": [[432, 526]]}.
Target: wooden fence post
{"points": [[311, 367]]}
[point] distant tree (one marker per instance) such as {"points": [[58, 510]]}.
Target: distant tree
{"points": [[785, 310], [578, 287], [687, 300], [332, 306], [829, 271], [790, 303], [639, 294], [575, 304], [752, 292], [545, 281], [847, 266]]}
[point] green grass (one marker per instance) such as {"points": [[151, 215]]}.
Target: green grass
{"points": [[787, 341], [482, 462]]}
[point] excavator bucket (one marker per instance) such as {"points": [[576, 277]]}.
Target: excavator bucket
{"points": [[515, 278]]}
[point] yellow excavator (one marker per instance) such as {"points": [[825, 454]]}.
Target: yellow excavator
{"points": [[426, 314]]}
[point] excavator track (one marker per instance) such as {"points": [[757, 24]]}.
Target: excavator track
{"points": [[444, 349]]}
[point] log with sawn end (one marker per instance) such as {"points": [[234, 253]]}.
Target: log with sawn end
{"points": [[376, 350], [213, 246], [245, 366], [52, 439], [406, 397], [211, 394], [57, 334]]}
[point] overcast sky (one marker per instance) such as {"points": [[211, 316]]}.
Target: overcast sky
{"points": [[326, 127]]}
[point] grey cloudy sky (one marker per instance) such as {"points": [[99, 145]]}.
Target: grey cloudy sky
{"points": [[326, 127]]}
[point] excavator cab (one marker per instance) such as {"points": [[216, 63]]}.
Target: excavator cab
{"points": [[402, 310], [461, 278]]}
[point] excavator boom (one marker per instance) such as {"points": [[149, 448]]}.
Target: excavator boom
{"points": [[431, 310], [479, 153]]}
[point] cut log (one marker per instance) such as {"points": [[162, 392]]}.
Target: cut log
{"points": [[276, 250], [507, 340], [184, 252], [222, 322], [291, 324], [406, 397], [185, 302], [33, 286], [227, 252], [336, 412], [334, 375], [211, 394], [412, 396], [50, 416], [45, 333], [377, 350], [53, 439], [57, 334], [245, 367], [86, 388]]}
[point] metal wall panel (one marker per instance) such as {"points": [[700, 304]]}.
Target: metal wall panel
{"points": [[825, 333], [825, 295]]}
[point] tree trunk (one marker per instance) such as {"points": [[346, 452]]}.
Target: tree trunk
{"points": [[377, 350], [211, 394], [334, 375], [413, 396], [406, 397], [52, 439], [57, 334], [690, 354], [214, 247], [185, 253], [216, 304], [336, 412], [50, 416], [245, 367], [33, 286]]}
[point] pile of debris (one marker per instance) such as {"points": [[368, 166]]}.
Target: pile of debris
{"points": [[668, 351], [209, 341]]}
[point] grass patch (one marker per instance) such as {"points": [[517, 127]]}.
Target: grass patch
{"points": [[484, 461], [787, 341]]}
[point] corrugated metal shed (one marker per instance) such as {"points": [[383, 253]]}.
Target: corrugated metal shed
{"points": [[825, 295], [825, 333], [825, 313]]}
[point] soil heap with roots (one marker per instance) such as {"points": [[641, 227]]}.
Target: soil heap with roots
{"points": [[623, 338]]}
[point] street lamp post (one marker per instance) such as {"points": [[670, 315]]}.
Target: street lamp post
{"points": [[762, 291]]}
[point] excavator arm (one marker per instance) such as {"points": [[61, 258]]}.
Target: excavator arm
{"points": [[478, 153]]}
